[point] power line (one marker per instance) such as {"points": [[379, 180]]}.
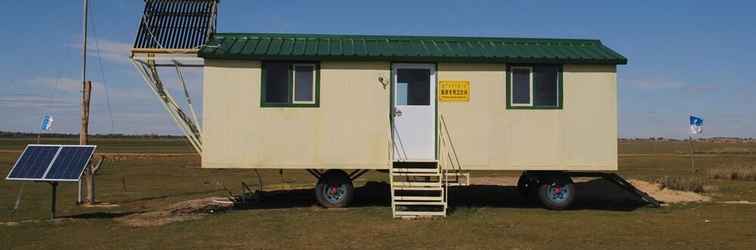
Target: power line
{"points": [[102, 72]]}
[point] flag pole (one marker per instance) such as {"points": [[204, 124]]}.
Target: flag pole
{"points": [[41, 129], [692, 152], [694, 129]]}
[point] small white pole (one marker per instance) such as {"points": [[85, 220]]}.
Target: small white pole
{"points": [[690, 146], [79, 194]]}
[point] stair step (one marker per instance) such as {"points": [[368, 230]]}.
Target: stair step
{"points": [[415, 203], [418, 198], [415, 161], [414, 170], [458, 174], [418, 213], [416, 184], [419, 188], [434, 174]]}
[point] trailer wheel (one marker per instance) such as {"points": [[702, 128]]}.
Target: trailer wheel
{"points": [[334, 189], [557, 192]]}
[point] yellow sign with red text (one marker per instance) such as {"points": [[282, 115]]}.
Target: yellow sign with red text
{"points": [[454, 91]]}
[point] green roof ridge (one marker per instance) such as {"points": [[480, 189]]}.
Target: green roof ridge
{"points": [[407, 37], [269, 46]]}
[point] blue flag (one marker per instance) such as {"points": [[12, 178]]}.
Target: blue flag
{"points": [[46, 122], [696, 125]]}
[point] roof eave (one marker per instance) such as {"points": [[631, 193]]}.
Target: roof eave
{"points": [[622, 61]]}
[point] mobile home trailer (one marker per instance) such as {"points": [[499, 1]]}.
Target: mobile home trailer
{"points": [[427, 109]]}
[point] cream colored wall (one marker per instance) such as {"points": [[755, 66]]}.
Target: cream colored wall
{"points": [[488, 136], [350, 129]]}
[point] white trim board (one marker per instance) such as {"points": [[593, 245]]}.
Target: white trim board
{"points": [[512, 84]]}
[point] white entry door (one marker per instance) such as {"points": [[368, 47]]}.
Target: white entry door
{"points": [[414, 129]]}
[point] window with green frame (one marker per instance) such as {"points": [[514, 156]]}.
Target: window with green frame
{"points": [[290, 84], [534, 87]]}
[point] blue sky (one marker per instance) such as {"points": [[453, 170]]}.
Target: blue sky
{"points": [[685, 56]]}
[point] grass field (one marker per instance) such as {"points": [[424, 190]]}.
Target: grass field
{"points": [[481, 216]]}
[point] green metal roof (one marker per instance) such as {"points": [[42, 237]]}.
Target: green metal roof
{"points": [[271, 46]]}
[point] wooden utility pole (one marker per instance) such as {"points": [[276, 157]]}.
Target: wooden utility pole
{"points": [[86, 94], [84, 140]]}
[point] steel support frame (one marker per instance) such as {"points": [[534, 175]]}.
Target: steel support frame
{"points": [[315, 173], [148, 68], [357, 173], [352, 176], [54, 200]]}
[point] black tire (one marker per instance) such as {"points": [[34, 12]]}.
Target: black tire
{"points": [[556, 193], [334, 189]]}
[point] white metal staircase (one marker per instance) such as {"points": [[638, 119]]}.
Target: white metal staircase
{"points": [[417, 190], [421, 189]]}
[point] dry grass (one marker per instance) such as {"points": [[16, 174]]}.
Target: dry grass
{"points": [[688, 183], [481, 219], [733, 172]]}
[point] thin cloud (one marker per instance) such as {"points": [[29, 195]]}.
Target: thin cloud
{"points": [[701, 88], [662, 84], [35, 102], [68, 85], [111, 51], [63, 84], [126, 93], [656, 84]]}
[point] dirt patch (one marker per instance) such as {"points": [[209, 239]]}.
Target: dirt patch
{"points": [[739, 202], [655, 190], [100, 205], [181, 211], [668, 195]]}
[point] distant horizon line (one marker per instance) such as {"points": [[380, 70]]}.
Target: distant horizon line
{"points": [[4, 133]]}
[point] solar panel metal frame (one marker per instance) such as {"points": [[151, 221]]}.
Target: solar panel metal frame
{"points": [[86, 163], [176, 24], [47, 170]]}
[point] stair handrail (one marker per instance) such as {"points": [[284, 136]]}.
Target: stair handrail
{"points": [[445, 137], [441, 166], [397, 148]]}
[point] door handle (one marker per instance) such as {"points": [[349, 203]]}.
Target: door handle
{"points": [[397, 112]]}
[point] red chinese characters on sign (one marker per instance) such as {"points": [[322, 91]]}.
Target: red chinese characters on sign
{"points": [[454, 91]]}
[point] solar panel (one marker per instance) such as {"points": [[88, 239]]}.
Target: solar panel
{"points": [[70, 163], [176, 24], [52, 163], [33, 162]]}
